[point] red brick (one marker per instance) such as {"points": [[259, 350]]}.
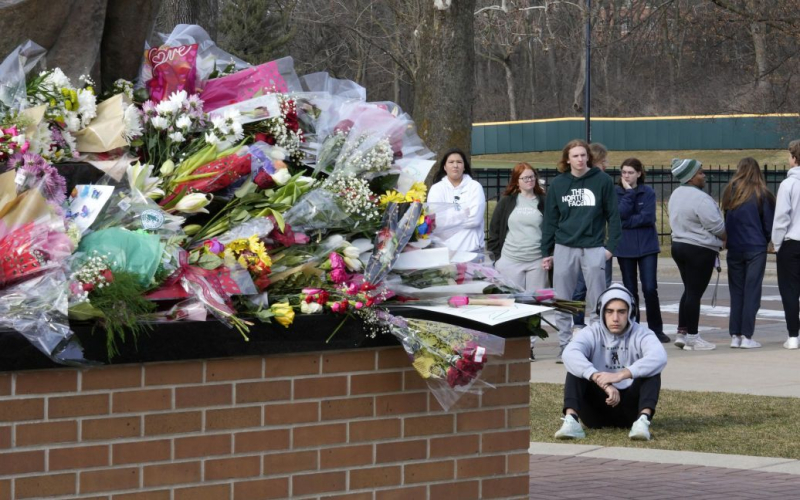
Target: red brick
{"points": [[5, 437], [506, 487], [173, 423], [426, 426], [375, 477], [519, 417], [480, 420], [142, 451], [319, 435], [282, 463], [5, 489], [46, 432], [321, 482], [228, 468], [350, 496], [111, 428], [345, 456], [202, 446], [17, 410], [175, 473], [398, 404], [213, 492], [481, 466], [269, 440], [376, 383], [233, 369], [292, 413], [429, 471], [261, 489], [413, 382], [46, 382], [45, 486], [465, 402], [109, 480], [78, 406], [320, 387], [350, 361], [395, 357], [518, 349], [518, 464], [405, 493], [401, 451], [141, 401], [82, 457], [507, 396], [336, 409], [145, 495], [455, 445], [174, 373], [203, 395], [289, 366], [233, 418], [463, 490], [505, 441], [494, 373], [261, 392], [113, 377], [21, 462], [373, 430], [519, 372], [5, 384]]}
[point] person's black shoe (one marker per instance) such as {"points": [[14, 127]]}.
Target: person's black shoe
{"points": [[663, 338]]}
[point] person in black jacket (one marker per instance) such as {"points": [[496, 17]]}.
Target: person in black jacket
{"points": [[749, 208], [638, 247], [515, 232]]}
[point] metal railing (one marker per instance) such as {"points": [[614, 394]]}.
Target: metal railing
{"points": [[660, 178]]}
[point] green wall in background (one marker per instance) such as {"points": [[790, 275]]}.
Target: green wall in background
{"points": [[639, 134]]}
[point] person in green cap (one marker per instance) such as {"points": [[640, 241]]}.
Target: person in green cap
{"points": [[698, 234]]}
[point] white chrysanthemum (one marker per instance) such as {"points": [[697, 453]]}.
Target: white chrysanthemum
{"points": [[72, 121], [70, 140], [87, 106], [159, 123], [184, 122], [57, 79], [41, 139], [133, 123], [166, 107], [218, 122], [212, 139], [176, 137]]}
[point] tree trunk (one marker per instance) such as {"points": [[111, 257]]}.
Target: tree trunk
{"points": [[444, 87], [204, 13], [510, 89]]}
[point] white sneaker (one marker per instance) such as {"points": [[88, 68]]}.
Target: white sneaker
{"points": [[791, 343], [736, 341], [640, 430], [750, 344], [570, 429], [680, 340], [696, 343]]}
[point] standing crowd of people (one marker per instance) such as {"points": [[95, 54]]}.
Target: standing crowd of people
{"points": [[568, 233]]}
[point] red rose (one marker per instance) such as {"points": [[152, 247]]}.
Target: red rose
{"points": [[263, 180]]}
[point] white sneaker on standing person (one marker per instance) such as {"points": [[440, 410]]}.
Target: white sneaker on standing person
{"points": [[786, 239]]}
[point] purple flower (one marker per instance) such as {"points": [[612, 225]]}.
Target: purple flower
{"points": [[41, 175]]}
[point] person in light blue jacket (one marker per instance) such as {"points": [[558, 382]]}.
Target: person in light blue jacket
{"points": [[637, 252]]}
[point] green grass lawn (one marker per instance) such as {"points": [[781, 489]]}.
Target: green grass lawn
{"points": [[549, 159], [710, 422]]}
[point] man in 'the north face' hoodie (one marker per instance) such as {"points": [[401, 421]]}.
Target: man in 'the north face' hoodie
{"points": [[613, 371]]}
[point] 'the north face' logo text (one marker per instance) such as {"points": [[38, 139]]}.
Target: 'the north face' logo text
{"points": [[579, 198]]}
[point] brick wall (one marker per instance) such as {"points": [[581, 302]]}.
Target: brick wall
{"points": [[354, 424]]}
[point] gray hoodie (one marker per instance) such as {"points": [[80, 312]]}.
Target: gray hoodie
{"points": [[787, 210], [595, 349], [695, 218]]}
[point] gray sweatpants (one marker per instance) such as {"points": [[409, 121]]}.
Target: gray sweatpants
{"points": [[568, 263]]}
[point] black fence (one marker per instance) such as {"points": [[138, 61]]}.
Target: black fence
{"points": [[660, 178]]}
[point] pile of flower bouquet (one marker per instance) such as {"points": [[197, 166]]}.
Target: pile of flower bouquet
{"points": [[232, 192]]}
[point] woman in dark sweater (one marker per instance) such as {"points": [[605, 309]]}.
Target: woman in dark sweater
{"points": [[515, 233], [749, 208], [638, 249]]}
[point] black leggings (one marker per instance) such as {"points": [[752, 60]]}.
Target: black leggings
{"points": [[789, 283], [696, 264], [589, 400]]}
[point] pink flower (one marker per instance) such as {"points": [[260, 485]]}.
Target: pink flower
{"points": [[544, 294], [214, 246], [458, 301], [336, 307], [359, 304], [337, 262], [338, 275]]}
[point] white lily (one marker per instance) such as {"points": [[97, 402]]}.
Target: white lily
{"points": [[194, 203], [351, 251], [167, 167], [353, 264], [141, 177]]}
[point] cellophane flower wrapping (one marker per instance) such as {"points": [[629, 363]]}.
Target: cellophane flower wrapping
{"points": [[32, 249], [397, 228], [273, 76], [450, 358], [13, 73], [452, 279]]}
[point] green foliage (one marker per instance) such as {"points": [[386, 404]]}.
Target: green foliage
{"points": [[256, 30], [124, 309]]}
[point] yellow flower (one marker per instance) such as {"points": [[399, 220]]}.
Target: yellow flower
{"points": [[284, 313], [257, 247], [423, 365], [417, 192], [392, 197]]}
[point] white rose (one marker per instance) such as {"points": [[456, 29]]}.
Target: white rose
{"points": [[281, 176]]}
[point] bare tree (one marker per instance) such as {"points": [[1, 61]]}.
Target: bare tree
{"points": [[201, 12]]}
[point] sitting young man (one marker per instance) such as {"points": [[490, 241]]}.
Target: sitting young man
{"points": [[614, 371]]}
